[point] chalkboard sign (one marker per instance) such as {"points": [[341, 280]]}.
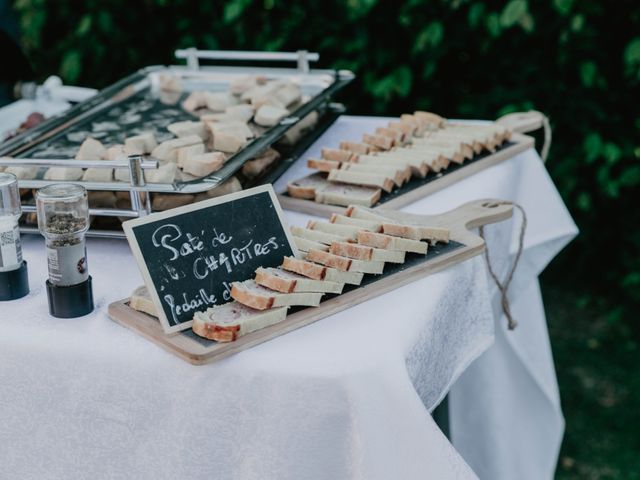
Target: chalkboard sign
{"points": [[189, 255]]}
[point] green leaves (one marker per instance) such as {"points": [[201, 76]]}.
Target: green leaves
{"points": [[396, 83], [233, 10], [429, 37], [592, 147], [513, 13], [563, 6], [632, 58], [71, 66], [588, 72]]}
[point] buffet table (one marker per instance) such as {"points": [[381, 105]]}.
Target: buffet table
{"points": [[347, 397]]}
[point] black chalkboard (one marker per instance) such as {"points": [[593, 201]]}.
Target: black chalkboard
{"points": [[189, 256]]}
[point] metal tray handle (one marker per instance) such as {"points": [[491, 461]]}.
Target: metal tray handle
{"points": [[301, 57]]}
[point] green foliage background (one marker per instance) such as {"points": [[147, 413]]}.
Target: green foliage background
{"points": [[577, 61]]}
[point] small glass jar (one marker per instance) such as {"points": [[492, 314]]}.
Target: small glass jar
{"points": [[63, 219], [10, 211]]}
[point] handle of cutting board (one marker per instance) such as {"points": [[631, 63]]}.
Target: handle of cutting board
{"points": [[481, 212]]}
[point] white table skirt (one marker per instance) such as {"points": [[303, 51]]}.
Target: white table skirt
{"points": [[347, 397]]}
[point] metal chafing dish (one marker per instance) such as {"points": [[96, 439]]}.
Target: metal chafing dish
{"points": [[136, 103]]}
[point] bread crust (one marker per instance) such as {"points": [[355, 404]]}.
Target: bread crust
{"points": [[330, 260], [250, 299], [266, 279], [306, 269], [215, 332], [352, 250], [336, 154]]}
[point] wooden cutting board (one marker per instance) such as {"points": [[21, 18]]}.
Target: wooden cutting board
{"points": [[418, 188], [463, 245]]}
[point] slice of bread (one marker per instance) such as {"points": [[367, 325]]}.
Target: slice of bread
{"points": [[380, 240], [431, 160], [323, 165], [318, 236], [363, 252], [415, 232], [379, 141], [398, 174], [432, 118], [343, 195], [371, 225], [320, 272], [394, 157], [452, 153], [361, 178], [302, 267], [352, 278], [345, 264], [288, 282], [140, 300], [304, 244], [329, 260], [336, 154], [397, 136], [419, 127], [405, 128], [355, 211], [353, 147], [227, 322], [250, 294], [348, 231], [308, 187]]}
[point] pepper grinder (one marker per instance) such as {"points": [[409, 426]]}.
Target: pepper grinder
{"points": [[63, 219], [14, 280]]}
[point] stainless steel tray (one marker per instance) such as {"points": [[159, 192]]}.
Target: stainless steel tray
{"points": [[136, 104]]}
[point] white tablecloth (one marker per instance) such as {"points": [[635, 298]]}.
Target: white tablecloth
{"points": [[347, 397]]}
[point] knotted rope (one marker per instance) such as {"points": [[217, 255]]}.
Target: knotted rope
{"points": [[504, 286]]}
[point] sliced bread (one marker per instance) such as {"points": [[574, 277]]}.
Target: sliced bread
{"points": [[344, 194], [288, 282], [353, 147], [304, 244], [371, 225], [323, 165], [398, 173], [362, 178], [348, 231], [141, 300], [363, 252], [318, 236], [256, 296], [415, 232], [308, 187], [345, 264], [379, 141], [320, 272], [380, 240], [336, 154], [227, 322]]}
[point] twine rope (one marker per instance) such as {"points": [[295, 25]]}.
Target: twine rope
{"points": [[504, 286]]}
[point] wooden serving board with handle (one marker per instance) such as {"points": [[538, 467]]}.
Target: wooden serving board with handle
{"points": [[463, 245], [418, 188]]}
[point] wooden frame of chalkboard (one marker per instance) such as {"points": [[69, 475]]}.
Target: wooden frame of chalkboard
{"points": [[188, 256], [463, 245]]}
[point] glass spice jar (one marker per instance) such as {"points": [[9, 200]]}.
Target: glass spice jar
{"points": [[63, 219]]}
